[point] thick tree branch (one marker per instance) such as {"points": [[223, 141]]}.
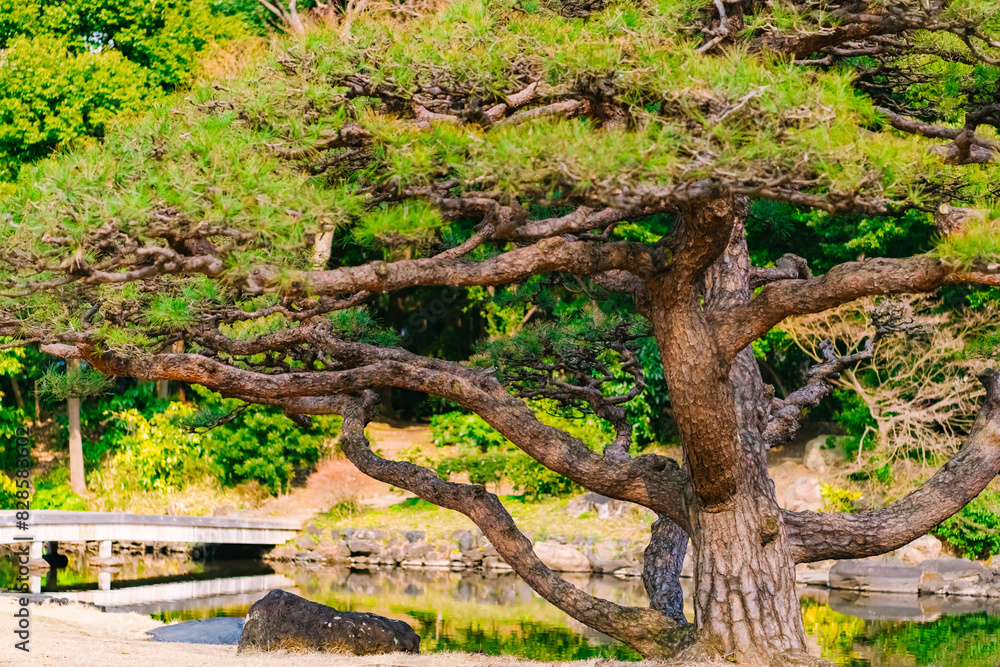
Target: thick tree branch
{"points": [[966, 147], [652, 481], [818, 536], [553, 255], [740, 325]]}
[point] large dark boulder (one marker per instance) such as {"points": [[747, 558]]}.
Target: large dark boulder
{"points": [[283, 621]]}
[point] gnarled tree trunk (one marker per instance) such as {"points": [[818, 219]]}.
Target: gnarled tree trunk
{"points": [[745, 602]]}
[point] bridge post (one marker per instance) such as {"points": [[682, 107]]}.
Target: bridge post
{"points": [[104, 551], [104, 580], [35, 551]]}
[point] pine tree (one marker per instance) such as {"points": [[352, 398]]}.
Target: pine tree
{"points": [[616, 147]]}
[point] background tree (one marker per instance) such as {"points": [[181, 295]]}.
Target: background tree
{"points": [[551, 148], [70, 67]]}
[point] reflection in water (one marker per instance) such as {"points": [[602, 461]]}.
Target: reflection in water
{"points": [[499, 614]]}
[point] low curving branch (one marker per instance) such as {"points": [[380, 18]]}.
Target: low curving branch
{"points": [[651, 633], [652, 481], [818, 536]]}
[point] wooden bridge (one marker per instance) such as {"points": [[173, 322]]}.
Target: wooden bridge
{"points": [[52, 527]]}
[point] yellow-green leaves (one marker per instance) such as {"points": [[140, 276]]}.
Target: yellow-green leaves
{"points": [[409, 223], [975, 242]]}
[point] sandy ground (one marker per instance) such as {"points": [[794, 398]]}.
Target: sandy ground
{"points": [[86, 637]]}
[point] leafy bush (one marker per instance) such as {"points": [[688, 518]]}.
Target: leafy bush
{"points": [[264, 445], [72, 66], [158, 454], [836, 499], [975, 531], [489, 458], [345, 510], [8, 492]]}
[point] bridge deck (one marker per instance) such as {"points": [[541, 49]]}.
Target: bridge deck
{"points": [[60, 526]]}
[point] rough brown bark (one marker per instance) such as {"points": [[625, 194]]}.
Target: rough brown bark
{"points": [[661, 568], [745, 602]]}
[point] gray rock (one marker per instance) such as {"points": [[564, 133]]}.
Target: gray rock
{"points": [[923, 548], [304, 542], [283, 621], [465, 539], [821, 456], [562, 557], [803, 495], [333, 552], [417, 550], [376, 535], [221, 630], [865, 575], [954, 576], [606, 508], [473, 556], [361, 547], [495, 563], [606, 556]]}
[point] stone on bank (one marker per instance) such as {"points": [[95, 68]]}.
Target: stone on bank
{"points": [[284, 621]]}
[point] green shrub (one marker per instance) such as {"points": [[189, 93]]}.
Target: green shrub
{"points": [[156, 453], [345, 510], [489, 458], [975, 531], [8, 492], [836, 499], [262, 444]]}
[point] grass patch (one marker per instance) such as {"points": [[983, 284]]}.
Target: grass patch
{"points": [[545, 517]]}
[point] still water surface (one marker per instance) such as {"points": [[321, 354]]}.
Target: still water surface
{"points": [[496, 614]]}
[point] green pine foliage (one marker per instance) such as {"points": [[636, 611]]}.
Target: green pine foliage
{"points": [[73, 383]]}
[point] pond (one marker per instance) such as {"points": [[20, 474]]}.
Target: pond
{"points": [[498, 613]]}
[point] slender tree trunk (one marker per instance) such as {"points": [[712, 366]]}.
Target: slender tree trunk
{"points": [[77, 480], [163, 386], [18, 398], [661, 568]]}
